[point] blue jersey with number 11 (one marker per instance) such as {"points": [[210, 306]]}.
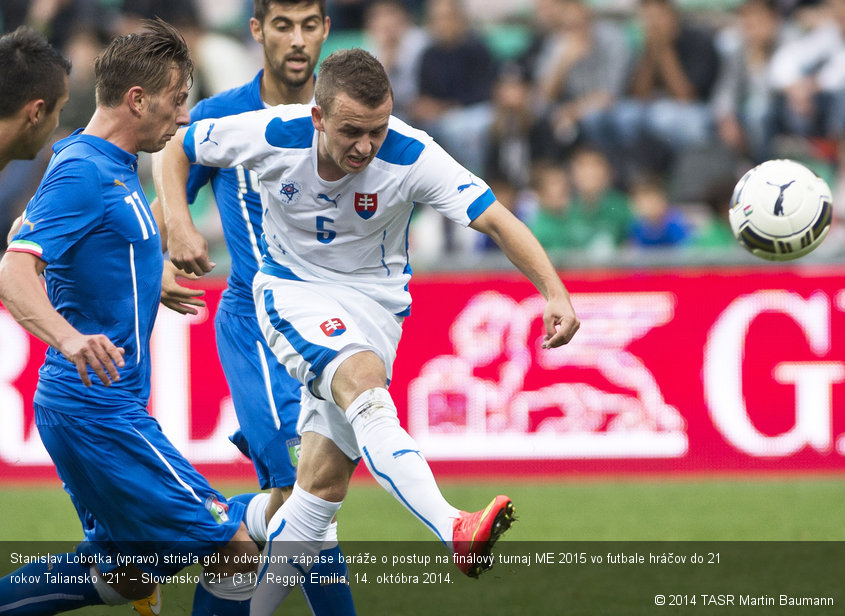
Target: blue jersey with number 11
{"points": [[91, 223]]}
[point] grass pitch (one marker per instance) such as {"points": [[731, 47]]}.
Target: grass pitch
{"points": [[586, 547]]}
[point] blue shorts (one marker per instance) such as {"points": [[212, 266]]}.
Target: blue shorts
{"points": [[266, 398], [134, 492]]}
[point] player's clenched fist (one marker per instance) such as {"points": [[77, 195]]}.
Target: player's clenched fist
{"points": [[560, 321]]}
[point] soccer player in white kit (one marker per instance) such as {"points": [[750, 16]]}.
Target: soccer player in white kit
{"points": [[339, 181]]}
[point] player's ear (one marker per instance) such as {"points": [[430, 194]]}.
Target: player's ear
{"points": [[35, 111], [327, 25], [256, 31], [317, 117], [136, 99]]}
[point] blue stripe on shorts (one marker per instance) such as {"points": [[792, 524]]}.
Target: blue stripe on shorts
{"points": [[318, 357]]}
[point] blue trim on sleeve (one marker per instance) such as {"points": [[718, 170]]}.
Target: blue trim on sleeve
{"points": [[296, 133], [188, 144], [477, 207], [399, 149]]}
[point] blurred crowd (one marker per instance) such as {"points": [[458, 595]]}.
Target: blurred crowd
{"points": [[616, 129]]}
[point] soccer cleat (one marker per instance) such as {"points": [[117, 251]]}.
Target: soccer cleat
{"points": [[473, 535], [149, 606]]}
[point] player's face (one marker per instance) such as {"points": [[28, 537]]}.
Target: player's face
{"points": [[165, 113], [351, 134], [292, 37]]}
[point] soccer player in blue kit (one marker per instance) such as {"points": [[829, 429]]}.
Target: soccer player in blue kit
{"points": [[90, 232], [266, 399], [34, 86], [332, 292]]}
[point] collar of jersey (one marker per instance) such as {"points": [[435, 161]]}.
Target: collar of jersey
{"points": [[106, 147]]}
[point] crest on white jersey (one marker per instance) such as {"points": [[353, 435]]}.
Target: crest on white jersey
{"points": [[290, 191], [366, 204]]}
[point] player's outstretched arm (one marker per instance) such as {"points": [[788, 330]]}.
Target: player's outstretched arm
{"points": [[24, 297], [524, 251], [188, 248], [183, 300]]}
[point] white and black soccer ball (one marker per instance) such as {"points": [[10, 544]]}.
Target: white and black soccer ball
{"points": [[780, 210]]}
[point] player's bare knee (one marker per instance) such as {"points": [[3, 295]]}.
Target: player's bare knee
{"points": [[239, 556], [355, 375]]}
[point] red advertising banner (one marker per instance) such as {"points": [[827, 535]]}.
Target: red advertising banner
{"points": [[734, 369]]}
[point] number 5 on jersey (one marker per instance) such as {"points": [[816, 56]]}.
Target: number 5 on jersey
{"points": [[324, 235]]}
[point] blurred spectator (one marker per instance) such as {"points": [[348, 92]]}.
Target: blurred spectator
{"points": [[743, 103], [656, 221], [603, 212], [582, 211], [809, 74], [56, 19], [457, 72], [222, 62], [347, 14], [545, 21], [804, 15], [550, 222], [83, 46], [715, 232], [393, 38], [581, 71], [670, 91], [497, 11], [126, 15], [513, 132]]}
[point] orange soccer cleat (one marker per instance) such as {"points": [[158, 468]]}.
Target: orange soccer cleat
{"points": [[473, 535]]}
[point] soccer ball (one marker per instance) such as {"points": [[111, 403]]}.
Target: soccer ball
{"points": [[780, 210]]}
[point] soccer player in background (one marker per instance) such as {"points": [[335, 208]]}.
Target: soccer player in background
{"points": [[90, 231], [33, 92], [267, 399], [339, 181]]}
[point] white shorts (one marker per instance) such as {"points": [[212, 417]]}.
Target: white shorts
{"points": [[311, 328]]}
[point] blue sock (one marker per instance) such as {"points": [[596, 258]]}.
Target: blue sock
{"points": [[335, 597], [57, 585], [206, 604]]}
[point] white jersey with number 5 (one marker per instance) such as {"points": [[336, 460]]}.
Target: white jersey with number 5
{"points": [[352, 231]]}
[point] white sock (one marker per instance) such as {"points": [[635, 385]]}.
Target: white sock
{"points": [[297, 529], [255, 517], [330, 539], [394, 459]]}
